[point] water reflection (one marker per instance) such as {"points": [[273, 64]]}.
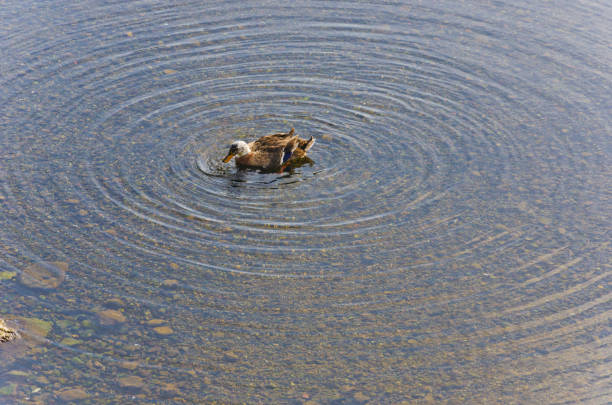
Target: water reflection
{"points": [[449, 243]]}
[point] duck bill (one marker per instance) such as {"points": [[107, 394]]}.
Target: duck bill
{"points": [[228, 157]]}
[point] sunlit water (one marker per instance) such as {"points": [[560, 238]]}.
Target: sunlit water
{"points": [[450, 243]]}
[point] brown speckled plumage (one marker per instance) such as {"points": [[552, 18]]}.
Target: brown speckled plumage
{"points": [[267, 152]]}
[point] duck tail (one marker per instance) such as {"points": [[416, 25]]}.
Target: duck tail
{"points": [[307, 144]]}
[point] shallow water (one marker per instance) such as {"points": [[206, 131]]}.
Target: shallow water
{"points": [[449, 244]]}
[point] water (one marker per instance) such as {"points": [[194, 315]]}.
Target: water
{"points": [[449, 244]]}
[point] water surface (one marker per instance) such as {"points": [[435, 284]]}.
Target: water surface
{"points": [[450, 243]]}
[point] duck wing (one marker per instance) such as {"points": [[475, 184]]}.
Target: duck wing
{"points": [[273, 141], [270, 151]]}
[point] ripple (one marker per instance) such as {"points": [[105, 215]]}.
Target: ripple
{"points": [[452, 226]]}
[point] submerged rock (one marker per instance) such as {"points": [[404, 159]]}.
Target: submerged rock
{"points": [[111, 316], [73, 394], [114, 303], [163, 330], [170, 388], [69, 341], [10, 389], [6, 334], [35, 326], [31, 333], [44, 275], [170, 283], [129, 365], [155, 322], [29, 326], [360, 397], [7, 275], [132, 381], [230, 357]]}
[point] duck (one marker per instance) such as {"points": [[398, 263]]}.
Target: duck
{"points": [[273, 152]]}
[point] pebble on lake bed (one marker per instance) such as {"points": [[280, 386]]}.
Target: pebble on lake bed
{"points": [[170, 388], [129, 365], [44, 275], [163, 330], [114, 303], [132, 381], [111, 316], [360, 397], [155, 322], [73, 394], [170, 283], [230, 357]]}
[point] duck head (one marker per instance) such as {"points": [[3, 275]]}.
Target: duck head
{"points": [[238, 149]]}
